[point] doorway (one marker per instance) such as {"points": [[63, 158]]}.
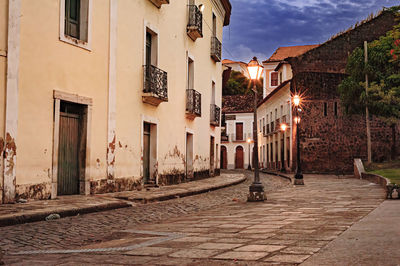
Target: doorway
{"points": [[71, 149], [189, 156], [212, 157], [150, 154], [239, 163], [224, 161]]}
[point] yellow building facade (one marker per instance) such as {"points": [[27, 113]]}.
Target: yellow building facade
{"points": [[108, 95]]}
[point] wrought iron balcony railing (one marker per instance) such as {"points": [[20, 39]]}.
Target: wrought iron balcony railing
{"points": [[193, 103], [215, 49], [158, 3], [155, 87], [195, 24], [215, 113]]}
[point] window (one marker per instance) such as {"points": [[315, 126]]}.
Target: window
{"points": [[325, 109], [336, 109], [280, 78], [281, 110], [274, 79], [214, 24], [276, 113], [260, 125], [75, 22], [190, 80], [151, 56], [263, 125], [239, 131]]}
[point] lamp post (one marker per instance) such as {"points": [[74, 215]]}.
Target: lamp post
{"points": [[256, 190], [298, 177], [283, 129], [249, 165]]}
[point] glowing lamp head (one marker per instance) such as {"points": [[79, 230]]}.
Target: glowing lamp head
{"points": [[283, 127], [255, 69], [248, 140], [296, 100], [201, 8], [297, 119]]}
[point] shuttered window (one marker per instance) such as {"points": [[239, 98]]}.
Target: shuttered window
{"points": [[72, 18], [76, 19], [274, 79]]}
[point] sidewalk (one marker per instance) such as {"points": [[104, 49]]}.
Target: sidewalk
{"points": [[32, 211], [374, 240]]}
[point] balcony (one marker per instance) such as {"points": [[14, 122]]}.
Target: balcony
{"points": [[195, 24], [193, 103], [155, 87], [215, 49], [215, 112], [158, 3]]}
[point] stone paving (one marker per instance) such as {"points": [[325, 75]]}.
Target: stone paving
{"points": [[292, 225]]}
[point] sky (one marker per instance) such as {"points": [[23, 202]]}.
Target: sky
{"points": [[259, 27]]}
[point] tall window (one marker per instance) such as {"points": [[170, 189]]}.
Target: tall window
{"points": [[76, 19], [274, 79], [280, 78], [214, 24], [190, 80], [151, 48], [325, 109], [336, 109]]}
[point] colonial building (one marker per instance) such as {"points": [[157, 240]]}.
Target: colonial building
{"points": [[275, 146], [102, 96], [329, 139], [237, 131], [236, 66]]}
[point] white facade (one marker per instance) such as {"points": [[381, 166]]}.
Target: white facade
{"points": [[274, 146], [233, 143]]}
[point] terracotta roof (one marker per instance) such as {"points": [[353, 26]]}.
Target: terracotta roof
{"points": [[238, 103], [291, 51], [228, 61]]}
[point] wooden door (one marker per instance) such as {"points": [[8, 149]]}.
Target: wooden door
{"points": [[224, 161], [146, 152], [239, 131], [68, 154], [239, 158], [212, 159]]}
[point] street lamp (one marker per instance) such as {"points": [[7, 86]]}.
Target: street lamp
{"points": [[283, 128], [249, 165], [256, 190], [298, 177]]}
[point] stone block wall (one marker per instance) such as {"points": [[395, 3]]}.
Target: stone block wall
{"points": [[331, 57], [329, 143]]}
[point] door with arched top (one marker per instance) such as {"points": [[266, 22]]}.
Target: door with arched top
{"points": [[224, 158], [239, 158]]}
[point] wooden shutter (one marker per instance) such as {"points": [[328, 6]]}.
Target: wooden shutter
{"points": [[239, 131], [72, 18]]}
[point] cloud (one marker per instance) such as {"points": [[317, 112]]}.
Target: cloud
{"points": [[244, 54], [259, 27]]}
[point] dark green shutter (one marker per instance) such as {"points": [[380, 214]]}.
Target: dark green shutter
{"points": [[72, 18]]}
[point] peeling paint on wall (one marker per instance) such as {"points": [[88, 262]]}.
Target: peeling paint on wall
{"points": [[116, 185], [10, 152], [111, 158]]}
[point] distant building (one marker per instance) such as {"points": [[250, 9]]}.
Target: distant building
{"points": [[274, 109], [237, 129], [236, 66], [329, 140]]}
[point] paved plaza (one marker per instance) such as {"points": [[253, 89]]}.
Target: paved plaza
{"points": [[294, 225]]}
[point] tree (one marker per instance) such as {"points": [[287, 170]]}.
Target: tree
{"points": [[383, 69], [240, 84]]}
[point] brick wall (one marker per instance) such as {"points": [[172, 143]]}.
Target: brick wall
{"points": [[330, 143]]}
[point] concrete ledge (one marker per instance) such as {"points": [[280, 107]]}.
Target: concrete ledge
{"points": [[277, 174], [65, 211], [181, 190]]}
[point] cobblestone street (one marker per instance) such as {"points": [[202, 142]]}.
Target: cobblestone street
{"points": [[218, 227]]}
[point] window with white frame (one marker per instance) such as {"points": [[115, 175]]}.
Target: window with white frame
{"points": [[75, 22]]}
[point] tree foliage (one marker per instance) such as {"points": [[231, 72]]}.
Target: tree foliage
{"points": [[383, 69], [239, 84]]}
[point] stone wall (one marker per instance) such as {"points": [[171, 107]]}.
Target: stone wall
{"points": [[331, 57], [330, 143]]}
